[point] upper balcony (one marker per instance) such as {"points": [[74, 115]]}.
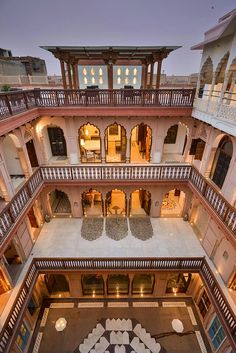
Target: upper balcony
{"points": [[215, 101], [138, 102]]}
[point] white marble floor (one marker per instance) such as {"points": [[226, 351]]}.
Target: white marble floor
{"points": [[172, 237]]}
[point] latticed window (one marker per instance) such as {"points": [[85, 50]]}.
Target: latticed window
{"points": [[216, 333], [23, 336]]}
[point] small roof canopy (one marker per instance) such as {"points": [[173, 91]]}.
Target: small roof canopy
{"points": [[225, 27], [107, 54]]}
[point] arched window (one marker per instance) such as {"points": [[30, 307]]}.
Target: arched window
{"points": [[221, 161], [171, 135]]}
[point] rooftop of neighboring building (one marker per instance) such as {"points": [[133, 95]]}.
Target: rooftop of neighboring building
{"points": [[226, 26]]}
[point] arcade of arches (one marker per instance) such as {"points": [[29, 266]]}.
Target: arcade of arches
{"points": [[116, 284], [119, 203], [114, 144]]}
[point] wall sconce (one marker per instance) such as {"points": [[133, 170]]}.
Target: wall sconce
{"points": [[119, 71], [126, 80], [100, 80], [127, 71], [84, 71], [100, 71], [118, 80], [85, 80], [93, 80], [134, 80], [135, 71], [92, 71]]}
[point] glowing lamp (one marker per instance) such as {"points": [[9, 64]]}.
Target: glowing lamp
{"points": [[60, 324]]}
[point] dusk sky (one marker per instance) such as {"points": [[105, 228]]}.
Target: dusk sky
{"points": [[27, 24]]}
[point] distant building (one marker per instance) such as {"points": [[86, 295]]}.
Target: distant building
{"points": [[26, 65], [21, 70]]}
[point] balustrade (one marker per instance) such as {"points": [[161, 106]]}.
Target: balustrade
{"points": [[225, 109], [15, 208], [12, 103], [187, 173], [42, 265]]}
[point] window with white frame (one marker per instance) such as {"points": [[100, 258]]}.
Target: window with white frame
{"points": [[216, 333]]}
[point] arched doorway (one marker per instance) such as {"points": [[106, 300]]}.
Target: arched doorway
{"points": [[115, 203], [220, 77], [206, 77], [175, 142], [140, 203], [57, 142], [15, 160], [92, 285], [229, 94], [173, 204], [90, 143], [92, 203], [32, 153], [60, 203], [141, 142], [115, 142], [221, 161], [57, 284], [13, 260], [178, 283]]}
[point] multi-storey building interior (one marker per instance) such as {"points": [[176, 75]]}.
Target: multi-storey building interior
{"points": [[118, 217]]}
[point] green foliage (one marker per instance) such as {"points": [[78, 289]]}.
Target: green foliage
{"points": [[6, 88]]}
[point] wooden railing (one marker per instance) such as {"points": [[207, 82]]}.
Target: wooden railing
{"points": [[15, 208], [12, 103], [42, 265], [222, 209]]}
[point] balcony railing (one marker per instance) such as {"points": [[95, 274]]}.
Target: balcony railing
{"points": [[223, 211], [225, 109], [12, 103], [194, 265]]}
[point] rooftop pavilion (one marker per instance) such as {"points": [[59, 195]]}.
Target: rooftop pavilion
{"points": [[110, 66]]}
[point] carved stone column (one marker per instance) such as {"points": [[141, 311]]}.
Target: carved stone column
{"points": [[75, 285], [158, 78], [72, 141], [128, 145], [6, 184], [69, 75], [63, 74], [158, 137], [103, 146]]}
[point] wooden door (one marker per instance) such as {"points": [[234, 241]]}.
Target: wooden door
{"points": [[57, 141], [32, 154]]}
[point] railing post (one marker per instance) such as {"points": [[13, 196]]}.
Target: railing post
{"points": [[57, 100], [171, 96], [8, 104], [25, 100]]}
